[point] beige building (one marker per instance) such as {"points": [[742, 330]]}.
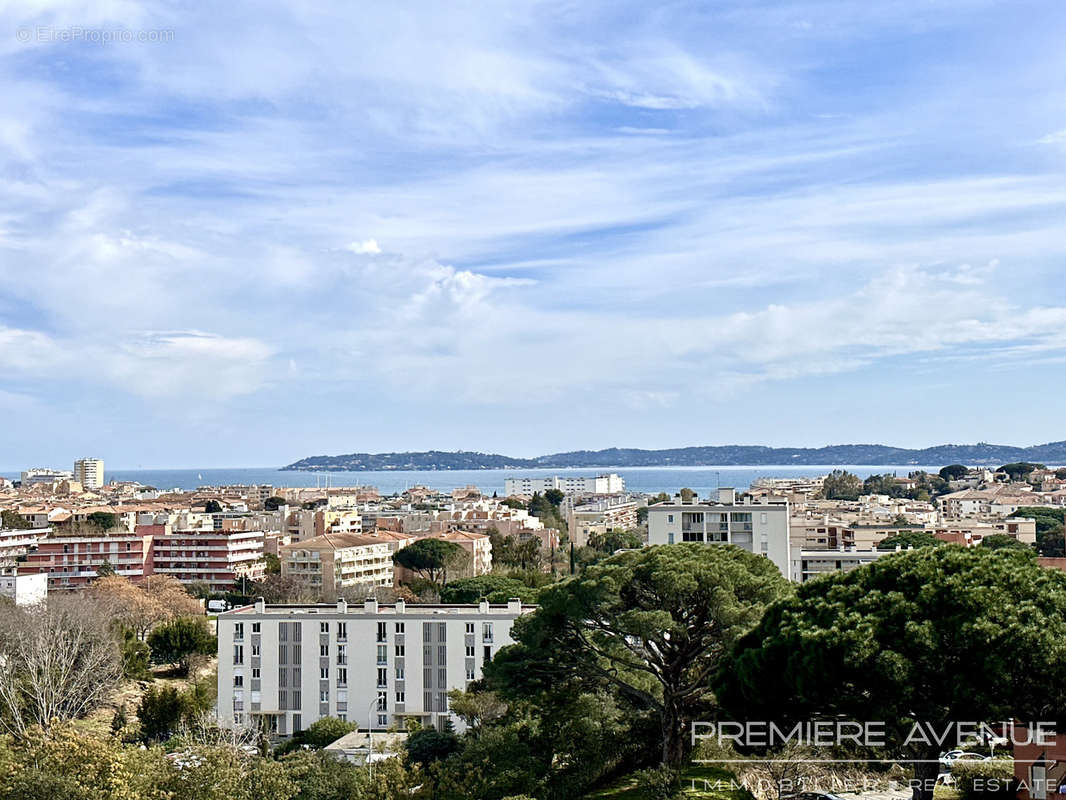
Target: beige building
{"points": [[336, 560], [89, 472], [301, 524]]}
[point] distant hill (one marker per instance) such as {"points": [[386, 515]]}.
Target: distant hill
{"points": [[981, 454]]}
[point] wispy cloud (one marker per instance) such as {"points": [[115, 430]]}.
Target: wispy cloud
{"points": [[549, 226]]}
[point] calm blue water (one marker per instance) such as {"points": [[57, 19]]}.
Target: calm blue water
{"points": [[645, 479]]}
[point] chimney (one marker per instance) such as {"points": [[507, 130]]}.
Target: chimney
{"points": [[401, 606], [727, 495], [260, 605], [342, 605], [370, 605], [483, 606], [514, 606]]}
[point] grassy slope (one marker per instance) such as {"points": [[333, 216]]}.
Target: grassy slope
{"points": [[699, 782]]}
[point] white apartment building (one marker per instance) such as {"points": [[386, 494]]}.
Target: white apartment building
{"points": [[44, 475], [23, 590], [287, 666], [89, 472], [760, 527], [570, 484], [808, 564]]}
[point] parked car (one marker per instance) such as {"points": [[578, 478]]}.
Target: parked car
{"points": [[217, 606], [952, 756]]}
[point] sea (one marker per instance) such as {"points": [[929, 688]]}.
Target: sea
{"points": [[651, 480]]}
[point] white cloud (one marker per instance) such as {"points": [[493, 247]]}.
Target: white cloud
{"points": [[366, 247]]}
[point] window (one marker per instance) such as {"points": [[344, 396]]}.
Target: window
{"points": [[342, 654], [427, 632], [442, 631], [383, 701], [342, 676], [382, 633], [297, 723], [399, 651], [400, 697], [323, 627], [399, 673], [238, 631], [323, 673], [238, 654], [342, 630], [383, 720], [488, 653], [470, 627], [470, 651], [238, 681], [323, 696], [323, 649], [399, 627], [486, 631], [469, 673], [257, 627], [442, 677], [255, 673], [382, 677], [383, 653], [669, 517], [255, 651]]}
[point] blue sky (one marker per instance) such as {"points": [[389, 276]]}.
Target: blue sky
{"points": [[528, 227]]}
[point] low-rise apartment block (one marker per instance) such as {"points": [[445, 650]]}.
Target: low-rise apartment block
{"points": [[73, 561], [570, 484], [596, 517], [377, 665], [760, 527], [221, 559], [338, 560]]}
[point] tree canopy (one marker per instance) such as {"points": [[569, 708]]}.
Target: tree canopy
{"points": [[1019, 470], [176, 642], [954, 472], [909, 539], [494, 587], [931, 636], [650, 625], [841, 485], [432, 558]]}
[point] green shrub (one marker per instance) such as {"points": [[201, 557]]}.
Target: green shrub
{"points": [[658, 783], [985, 780]]}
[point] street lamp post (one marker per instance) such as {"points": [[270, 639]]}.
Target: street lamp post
{"points": [[374, 706]]}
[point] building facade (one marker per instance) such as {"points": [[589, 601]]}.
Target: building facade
{"points": [[338, 560], [73, 561], [570, 484], [759, 527], [89, 472], [23, 589], [222, 559], [376, 665]]}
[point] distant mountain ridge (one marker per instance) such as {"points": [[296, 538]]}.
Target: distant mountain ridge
{"points": [[981, 454]]}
